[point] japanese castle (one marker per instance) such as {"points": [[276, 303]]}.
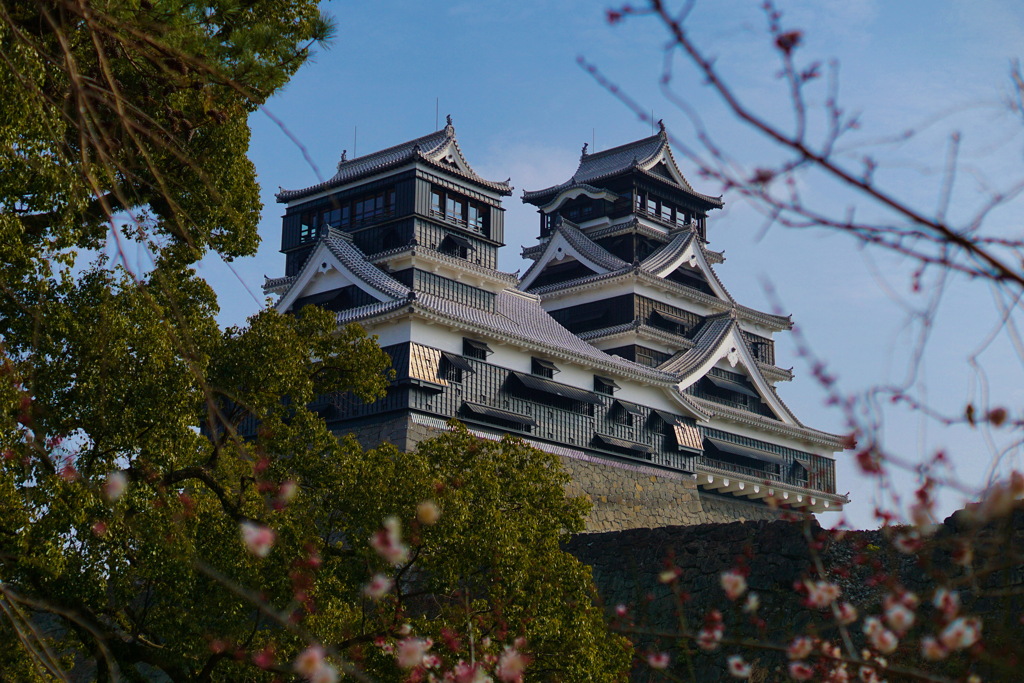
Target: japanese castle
{"points": [[619, 349]]}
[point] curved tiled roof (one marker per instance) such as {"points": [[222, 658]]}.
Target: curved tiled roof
{"points": [[586, 247], [667, 253], [711, 334], [355, 261], [519, 317], [617, 160], [439, 257], [752, 315], [272, 283], [426, 148], [747, 417], [631, 225]]}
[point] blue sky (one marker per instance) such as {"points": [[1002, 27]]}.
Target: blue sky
{"points": [[508, 75]]}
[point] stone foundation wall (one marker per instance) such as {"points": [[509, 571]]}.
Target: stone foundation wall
{"points": [[624, 495], [721, 509], [399, 430], [632, 496]]}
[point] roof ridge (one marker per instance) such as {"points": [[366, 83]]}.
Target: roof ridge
{"points": [[623, 146], [414, 143]]}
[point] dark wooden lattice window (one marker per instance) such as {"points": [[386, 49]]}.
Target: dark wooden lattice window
{"points": [[472, 348], [543, 368], [604, 385]]}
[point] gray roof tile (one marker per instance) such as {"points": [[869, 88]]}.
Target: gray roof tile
{"points": [[424, 148], [711, 334], [617, 160], [587, 248], [667, 253], [355, 261]]}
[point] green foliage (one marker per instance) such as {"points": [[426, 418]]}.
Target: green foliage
{"points": [[119, 111], [138, 441], [490, 568]]}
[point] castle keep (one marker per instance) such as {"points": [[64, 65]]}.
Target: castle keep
{"points": [[619, 349]]}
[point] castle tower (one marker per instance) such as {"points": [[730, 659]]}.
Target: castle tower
{"points": [[619, 350]]}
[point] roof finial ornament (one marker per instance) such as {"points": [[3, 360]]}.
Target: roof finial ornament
{"points": [[661, 126], [344, 158], [583, 153], [448, 120]]}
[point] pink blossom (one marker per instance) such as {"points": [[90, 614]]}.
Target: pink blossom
{"points": [[114, 485], [847, 614], [511, 665], [411, 652], [901, 597], [708, 638], [899, 617], [427, 512], [737, 667], [431, 661], [388, 542], [909, 543], [752, 603], [868, 674], [947, 602], [734, 584], [288, 491], [831, 650], [881, 638], [801, 671], [961, 633], [800, 648], [821, 594], [932, 650], [839, 674], [378, 587], [999, 499], [658, 660], [325, 674], [311, 664], [468, 673], [309, 660], [621, 610], [258, 538], [264, 659]]}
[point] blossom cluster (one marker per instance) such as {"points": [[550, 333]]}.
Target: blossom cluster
{"points": [[414, 655]]}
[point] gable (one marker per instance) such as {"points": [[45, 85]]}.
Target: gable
{"points": [[592, 258], [324, 272], [687, 266], [737, 372]]}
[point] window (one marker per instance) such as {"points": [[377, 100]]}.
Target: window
{"points": [[652, 206], [476, 217], [605, 385], [666, 212], [457, 246], [343, 214], [453, 367], [458, 209], [453, 209], [799, 471], [471, 348], [543, 368]]}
